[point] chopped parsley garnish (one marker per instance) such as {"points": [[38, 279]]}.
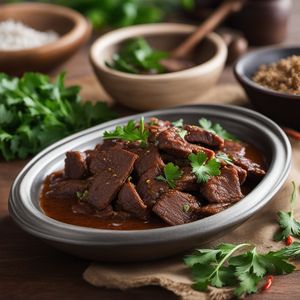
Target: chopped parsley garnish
{"points": [[81, 196], [129, 132], [221, 266], [185, 207], [171, 174], [216, 128], [178, 123], [137, 57], [204, 169], [289, 226], [223, 157]]}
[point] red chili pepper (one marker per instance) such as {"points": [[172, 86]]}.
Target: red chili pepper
{"points": [[267, 284], [289, 240], [292, 133]]}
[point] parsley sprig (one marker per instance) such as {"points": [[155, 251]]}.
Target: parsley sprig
{"points": [[129, 132], [237, 266], [171, 174], [35, 112], [204, 169], [216, 128], [288, 224]]}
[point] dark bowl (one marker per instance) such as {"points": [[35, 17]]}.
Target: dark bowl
{"points": [[141, 245], [282, 108]]}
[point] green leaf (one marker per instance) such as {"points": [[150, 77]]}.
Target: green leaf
{"points": [[129, 132], [136, 56], [223, 157], [216, 129], [288, 224], [204, 169], [171, 174]]}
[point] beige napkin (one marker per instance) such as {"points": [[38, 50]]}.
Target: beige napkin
{"points": [[171, 273]]}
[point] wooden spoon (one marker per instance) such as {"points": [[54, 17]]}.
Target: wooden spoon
{"points": [[178, 59]]}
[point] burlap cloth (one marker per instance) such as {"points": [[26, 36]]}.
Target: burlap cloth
{"points": [[171, 274]]}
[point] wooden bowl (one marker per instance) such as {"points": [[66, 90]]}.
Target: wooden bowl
{"points": [[73, 28], [144, 92], [281, 107]]}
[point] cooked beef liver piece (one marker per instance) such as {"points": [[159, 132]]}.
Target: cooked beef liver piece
{"points": [[66, 189], [177, 161], [112, 167], [148, 158], [187, 182], [254, 170], [212, 209], [198, 135], [224, 188], [130, 201], [242, 173], [75, 165], [150, 188], [170, 142], [157, 127], [233, 148], [176, 208]]}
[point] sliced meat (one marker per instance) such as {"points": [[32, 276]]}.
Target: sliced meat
{"points": [[212, 209], [254, 170], [177, 161], [108, 144], [176, 208], [233, 148], [157, 126], [242, 173], [112, 168], [149, 188], [198, 135], [170, 141], [187, 182], [67, 189], [75, 165], [130, 201], [148, 158], [224, 188]]}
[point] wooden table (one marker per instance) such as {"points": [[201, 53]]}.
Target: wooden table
{"points": [[29, 269]]}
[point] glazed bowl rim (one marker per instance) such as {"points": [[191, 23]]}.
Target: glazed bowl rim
{"points": [[79, 29], [239, 66], [38, 224], [119, 35]]}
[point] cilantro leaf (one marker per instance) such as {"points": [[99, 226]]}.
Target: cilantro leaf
{"points": [[289, 226], [35, 112], [216, 129], [129, 132], [236, 266], [223, 157], [179, 125], [171, 174], [137, 57], [204, 169]]}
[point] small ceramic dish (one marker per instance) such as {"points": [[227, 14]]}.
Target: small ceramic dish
{"points": [[144, 92], [282, 108], [142, 245], [73, 29]]}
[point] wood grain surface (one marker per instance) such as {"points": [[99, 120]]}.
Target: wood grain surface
{"points": [[29, 269]]}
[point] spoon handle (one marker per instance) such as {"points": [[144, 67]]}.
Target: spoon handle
{"points": [[207, 26]]}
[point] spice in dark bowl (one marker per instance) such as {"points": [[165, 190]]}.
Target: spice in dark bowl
{"points": [[281, 104]]}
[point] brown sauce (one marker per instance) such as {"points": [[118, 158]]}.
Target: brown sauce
{"points": [[61, 210]]}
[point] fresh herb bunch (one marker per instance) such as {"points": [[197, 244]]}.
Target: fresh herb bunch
{"points": [[137, 57], [129, 132], [35, 113], [204, 169], [171, 174], [216, 128], [288, 224], [221, 266]]}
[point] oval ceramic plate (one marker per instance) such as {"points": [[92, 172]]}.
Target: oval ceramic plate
{"points": [[110, 245]]}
